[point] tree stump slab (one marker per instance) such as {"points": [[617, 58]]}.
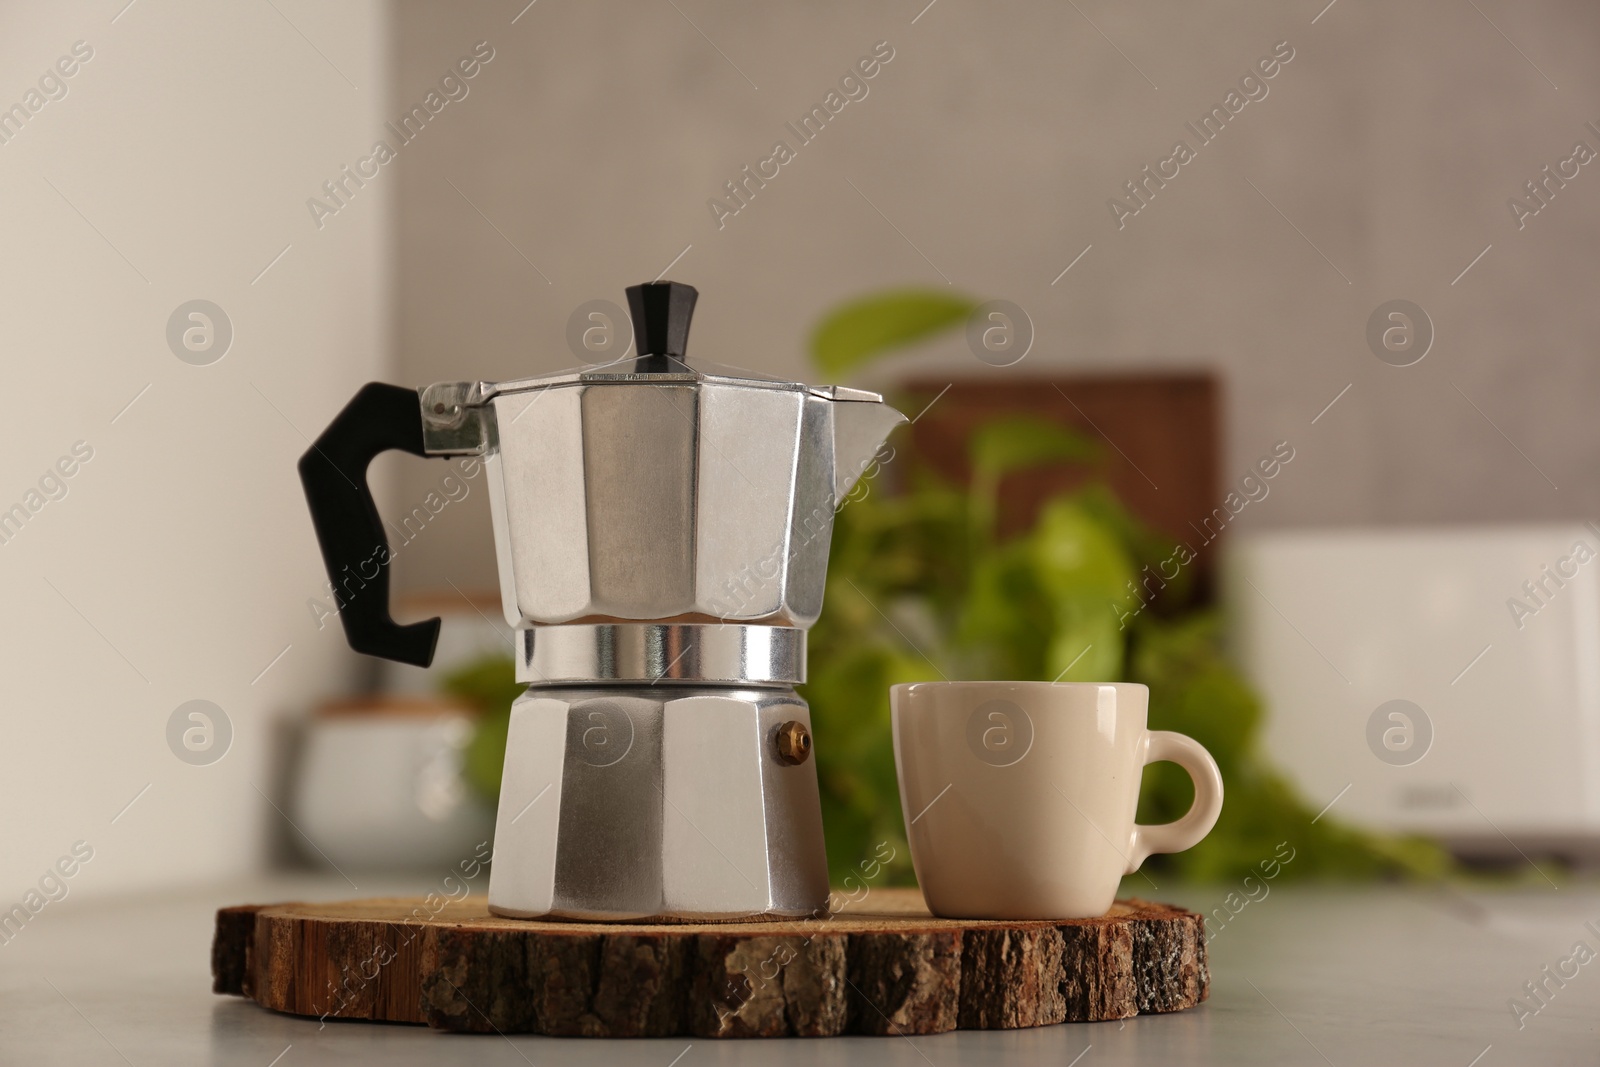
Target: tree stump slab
{"points": [[884, 966]]}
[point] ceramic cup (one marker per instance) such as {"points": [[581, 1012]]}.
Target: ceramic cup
{"points": [[380, 786], [1019, 796]]}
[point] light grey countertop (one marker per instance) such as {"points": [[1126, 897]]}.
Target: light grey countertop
{"points": [[1303, 975]]}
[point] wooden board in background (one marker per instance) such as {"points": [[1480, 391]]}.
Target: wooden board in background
{"points": [[1160, 433]]}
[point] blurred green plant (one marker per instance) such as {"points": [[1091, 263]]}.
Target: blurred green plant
{"points": [[488, 684], [920, 577]]}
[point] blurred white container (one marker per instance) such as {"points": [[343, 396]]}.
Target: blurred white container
{"points": [[1491, 633], [474, 627], [379, 786]]}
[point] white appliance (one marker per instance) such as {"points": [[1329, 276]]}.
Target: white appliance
{"points": [[1489, 635]]}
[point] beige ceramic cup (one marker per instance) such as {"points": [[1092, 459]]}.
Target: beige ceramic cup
{"points": [[1019, 796]]}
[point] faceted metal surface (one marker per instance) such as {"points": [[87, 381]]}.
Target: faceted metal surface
{"points": [[628, 803], [684, 497]]}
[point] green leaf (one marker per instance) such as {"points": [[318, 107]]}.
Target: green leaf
{"points": [[485, 756], [490, 685], [1087, 646], [1007, 618], [861, 330], [1077, 557]]}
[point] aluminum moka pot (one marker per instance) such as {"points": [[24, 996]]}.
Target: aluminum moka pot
{"points": [[662, 533]]}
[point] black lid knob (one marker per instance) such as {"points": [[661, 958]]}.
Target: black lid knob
{"points": [[661, 312]]}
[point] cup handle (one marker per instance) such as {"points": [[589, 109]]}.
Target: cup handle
{"points": [[1186, 752]]}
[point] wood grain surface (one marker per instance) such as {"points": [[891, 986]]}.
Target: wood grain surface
{"points": [[883, 967]]}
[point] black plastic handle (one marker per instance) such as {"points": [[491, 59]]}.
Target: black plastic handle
{"points": [[354, 549]]}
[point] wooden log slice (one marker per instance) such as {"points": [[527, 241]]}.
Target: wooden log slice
{"points": [[883, 967]]}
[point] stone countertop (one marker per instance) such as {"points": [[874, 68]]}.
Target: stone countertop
{"points": [[1303, 975]]}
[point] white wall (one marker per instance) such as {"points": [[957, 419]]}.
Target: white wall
{"points": [[993, 141], [179, 562]]}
